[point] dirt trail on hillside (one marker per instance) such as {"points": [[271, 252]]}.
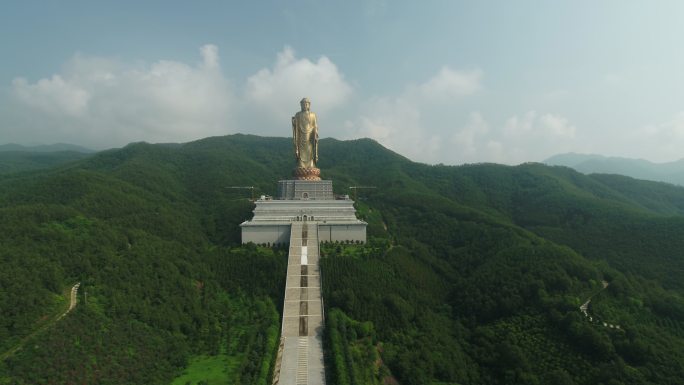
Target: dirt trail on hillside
{"points": [[73, 301]]}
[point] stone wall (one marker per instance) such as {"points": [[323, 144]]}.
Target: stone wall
{"points": [[342, 233]]}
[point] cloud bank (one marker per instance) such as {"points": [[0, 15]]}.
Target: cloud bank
{"points": [[659, 142], [291, 79], [407, 123], [103, 102], [424, 123]]}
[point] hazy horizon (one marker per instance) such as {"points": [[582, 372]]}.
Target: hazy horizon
{"points": [[552, 158]]}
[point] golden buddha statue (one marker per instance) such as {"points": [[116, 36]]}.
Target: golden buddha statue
{"points": [[305, 138]]}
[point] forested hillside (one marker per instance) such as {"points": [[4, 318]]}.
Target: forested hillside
{"points": [[16, 158], [16, 161], [472, 274]]}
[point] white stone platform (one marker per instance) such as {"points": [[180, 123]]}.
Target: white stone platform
{"points": [[272, 219]]}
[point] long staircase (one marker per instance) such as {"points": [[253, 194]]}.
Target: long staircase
{"points": [[300, 356]]}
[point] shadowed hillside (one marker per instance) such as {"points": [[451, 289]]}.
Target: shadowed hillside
{"points": [[15, 157], [15, 161]]}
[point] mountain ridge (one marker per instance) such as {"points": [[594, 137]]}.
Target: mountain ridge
{"points": [[669, 172], [55, 147]]}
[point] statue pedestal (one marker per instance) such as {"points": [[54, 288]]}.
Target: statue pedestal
{"points": [[332, 219], [313, 201], [306, 173], [297, 189]]}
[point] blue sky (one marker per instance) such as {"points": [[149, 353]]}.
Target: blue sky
{"points": [[438, 81]]}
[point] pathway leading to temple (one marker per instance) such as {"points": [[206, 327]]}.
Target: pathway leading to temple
{"points": [[300, 359]]}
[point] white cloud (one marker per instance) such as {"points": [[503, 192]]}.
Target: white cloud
{"points": [[427, 123], [516, 125], [424, 123], [547, 125], [279, 89], [466, 140], [210, 57], [102, 102], [520, 138], [397, 124], [660, 142], [529, 137], [557, 125], [448, 84], [411, 125], [53, 95]]}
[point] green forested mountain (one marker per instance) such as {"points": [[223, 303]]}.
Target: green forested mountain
{"points": [[15, 157], [15, 161], [472, 274]]}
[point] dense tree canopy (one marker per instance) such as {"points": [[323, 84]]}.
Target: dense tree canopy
{"points": [[472, 274]]}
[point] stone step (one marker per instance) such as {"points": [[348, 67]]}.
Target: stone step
{"points": [[303, 361], [302, 323], [299, 294]]}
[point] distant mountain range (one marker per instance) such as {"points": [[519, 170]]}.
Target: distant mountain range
{"points": [[45, 148], [671, 172], [17, 157]]}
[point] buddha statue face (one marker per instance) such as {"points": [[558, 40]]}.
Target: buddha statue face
{"points": [[306, 104]]}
